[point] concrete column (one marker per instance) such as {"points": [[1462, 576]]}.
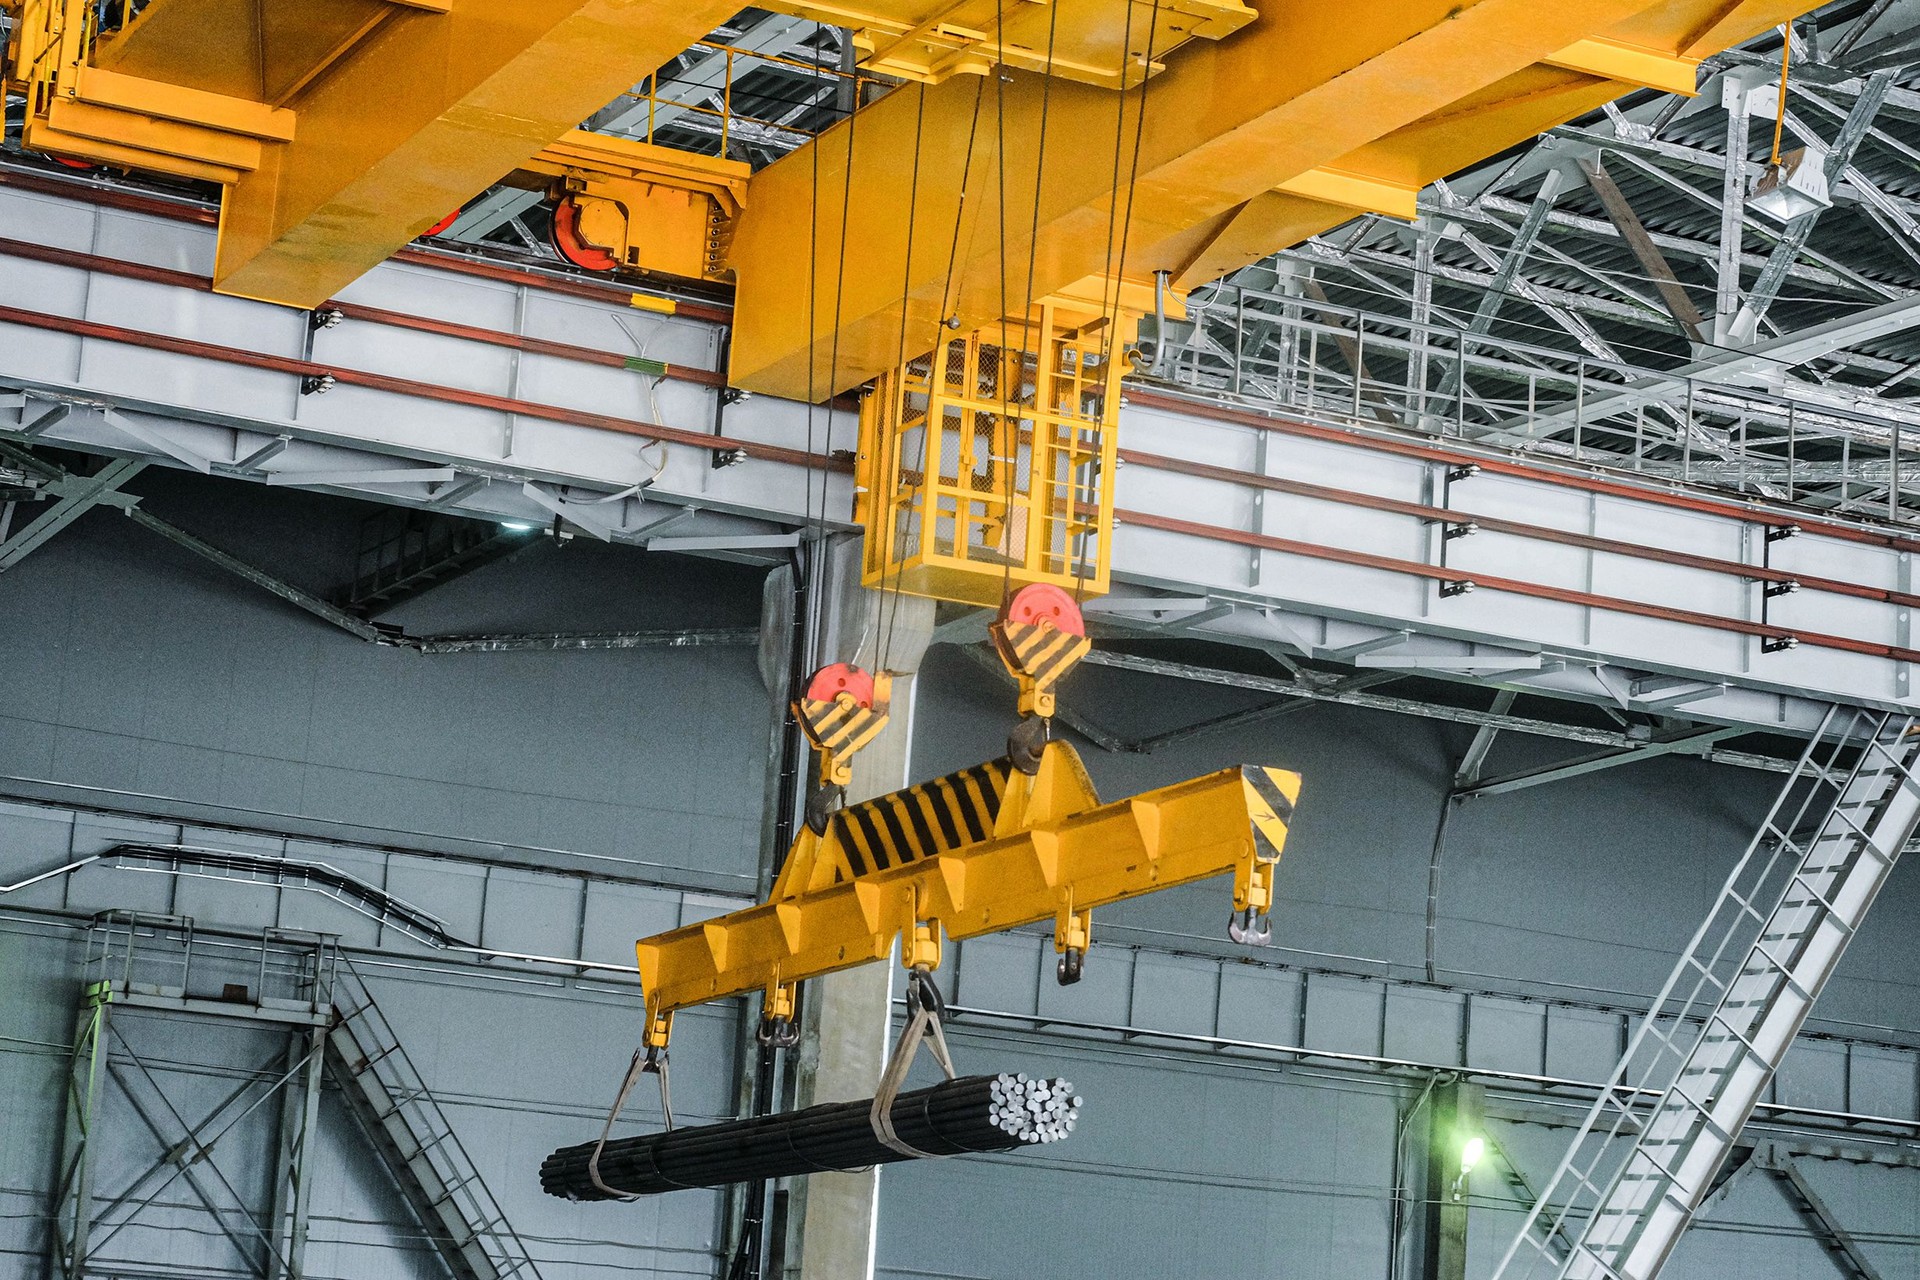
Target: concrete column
{"points": [[846, 1021]]}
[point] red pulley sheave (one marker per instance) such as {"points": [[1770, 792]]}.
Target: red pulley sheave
{"points": [[829, 683], [567, 241], [1043, 602]]}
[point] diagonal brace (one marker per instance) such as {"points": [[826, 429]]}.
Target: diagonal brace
{"points": [[1691, 743], [77, 496]]}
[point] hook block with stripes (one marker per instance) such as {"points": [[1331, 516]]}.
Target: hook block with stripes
{"points": [[843, 709], [980, 851], [1040, 635]]}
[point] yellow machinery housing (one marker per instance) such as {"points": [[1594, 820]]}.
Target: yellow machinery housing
{"points": [[650, 210], [981, 851]]}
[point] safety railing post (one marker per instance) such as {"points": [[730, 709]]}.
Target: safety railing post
{"points": [[1239, 335], [1460, 394], [726, 103], [1746, 456], [1579, 409], [1792, 447], [1686, 437], [1313, 368], [1893, 475], [1359, 360]]}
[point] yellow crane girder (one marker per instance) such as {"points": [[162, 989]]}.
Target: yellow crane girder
{"points": [[982, 851], [1310, 115]]}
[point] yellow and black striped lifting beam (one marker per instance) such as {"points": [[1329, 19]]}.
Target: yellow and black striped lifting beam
{"points": [[980, 851]]}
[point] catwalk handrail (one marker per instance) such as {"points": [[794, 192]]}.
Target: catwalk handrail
{"points": [[1696, 428]]}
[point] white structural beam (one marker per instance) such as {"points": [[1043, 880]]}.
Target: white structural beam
{"points": [[1292, 537]]}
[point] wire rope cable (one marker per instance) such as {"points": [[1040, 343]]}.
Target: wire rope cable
{"points": [[1780, 109], [1043, 342], [887, 463]]}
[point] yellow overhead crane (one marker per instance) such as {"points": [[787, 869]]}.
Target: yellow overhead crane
{"points": [[343, 128], [1011, 842], [976, 246]]}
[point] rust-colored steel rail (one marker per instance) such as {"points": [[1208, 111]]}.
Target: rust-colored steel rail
{"points": [[1513, 586]]}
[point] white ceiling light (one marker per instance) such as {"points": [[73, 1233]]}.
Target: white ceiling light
{"points": [[1793, 185]]}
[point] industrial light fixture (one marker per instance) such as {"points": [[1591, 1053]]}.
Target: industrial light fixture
{"points": [[1472, 1151], [1794, 184]]}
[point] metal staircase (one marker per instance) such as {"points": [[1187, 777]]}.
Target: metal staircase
{"points": [[402, 1116], [1708, 1048], [272, 981]]}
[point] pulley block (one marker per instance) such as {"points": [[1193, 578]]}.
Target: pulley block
{"points": [[572, 242], [843, 708], [1040, 635]]}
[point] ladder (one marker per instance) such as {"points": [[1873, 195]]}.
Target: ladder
{"points": [[417, 1140], [1707, 1050]]}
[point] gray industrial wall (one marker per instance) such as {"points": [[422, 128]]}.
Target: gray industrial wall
{"points": [[562, 804]]}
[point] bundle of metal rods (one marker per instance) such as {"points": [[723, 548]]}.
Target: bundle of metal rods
{"points": [[972, 1114]]}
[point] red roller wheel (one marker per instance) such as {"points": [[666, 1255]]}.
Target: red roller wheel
{"points": [[829, 683], [443, 224], [1043, 602]]}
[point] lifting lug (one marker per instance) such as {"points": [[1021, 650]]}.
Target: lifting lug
{"points": [[1028, 739], [920, 946], [1072, 935], [777, 1028], [1072, 961], [778, 1033], [1250, 927]]}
